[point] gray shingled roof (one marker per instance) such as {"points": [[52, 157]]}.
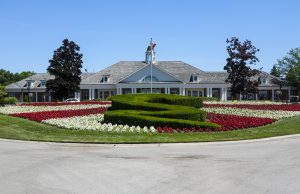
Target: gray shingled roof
{"points": [[37, 80], [123, 69], [116, 72], [216, 77]]}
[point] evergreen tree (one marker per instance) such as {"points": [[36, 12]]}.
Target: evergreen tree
{"points": [[241, 55], [65, 65]]}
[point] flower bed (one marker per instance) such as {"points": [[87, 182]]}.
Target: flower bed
{"points": [[65, 103], [276, 107], [29, 109], [272, 114], [232, 122], [40, 116], [93, 122], [228, 122], [90, 116]]}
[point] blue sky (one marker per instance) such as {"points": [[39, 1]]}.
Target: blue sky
{"points": [[108, 31]]}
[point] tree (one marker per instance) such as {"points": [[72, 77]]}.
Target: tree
{"points": [[291, 60], [293, 78], [65, 65], [7, 77], [2, 92], [241, 55], [289, 67], [275, 71]]}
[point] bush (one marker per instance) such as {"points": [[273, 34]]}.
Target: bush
{"points": [[157, 110], [210, 99], [8, 100]]}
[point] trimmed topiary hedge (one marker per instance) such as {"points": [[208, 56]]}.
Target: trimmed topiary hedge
{"points": [[157, 110]]}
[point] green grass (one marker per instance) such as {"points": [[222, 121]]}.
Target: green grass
{"points": [[21, 129]]}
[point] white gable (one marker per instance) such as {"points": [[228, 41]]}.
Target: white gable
{"points": [[144, 74]]}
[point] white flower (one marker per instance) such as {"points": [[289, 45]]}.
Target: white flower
{"points": [[93, 122], [23, 109], [272, 114]]}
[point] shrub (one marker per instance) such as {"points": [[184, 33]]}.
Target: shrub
{"points": [[157, 110], [8, 100], [210, 99]]}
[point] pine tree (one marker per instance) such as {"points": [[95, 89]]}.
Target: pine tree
{"points": [[65, 66]]}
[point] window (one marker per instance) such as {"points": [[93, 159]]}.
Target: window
{"points": [[126, 91], [194, 78], [148, 79], [42, 83], [174, 90], [195, 93], [104, 79], [28, 84], [263, 81]]}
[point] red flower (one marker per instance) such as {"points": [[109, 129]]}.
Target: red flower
{"points": [[39, 116], [63, 103], [227, 123]]}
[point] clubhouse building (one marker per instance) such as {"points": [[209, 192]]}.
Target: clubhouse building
{"points": [[149, 76]]}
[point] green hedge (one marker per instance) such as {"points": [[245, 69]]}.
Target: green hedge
{"points": [[157, 110], [8, 101], [210, 99]]}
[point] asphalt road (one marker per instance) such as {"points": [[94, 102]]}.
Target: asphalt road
{"points": [[260, 166]]}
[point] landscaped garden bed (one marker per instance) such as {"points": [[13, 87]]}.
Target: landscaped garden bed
{"points": [[155, 115]]}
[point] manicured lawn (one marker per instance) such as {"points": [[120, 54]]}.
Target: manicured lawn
{"points": [[21, 129]]}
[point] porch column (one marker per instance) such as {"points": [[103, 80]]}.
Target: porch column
{"points": [[36, 96], [289, 94], [93, 94], [90, 94], [209, 92], [79, 95], [273, 95], [256, 96], [168, 90], [223, 94]]}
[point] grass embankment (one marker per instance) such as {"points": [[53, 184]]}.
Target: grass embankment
{"points": [[21, 129]]}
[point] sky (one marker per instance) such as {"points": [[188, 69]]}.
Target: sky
{"points": [[193, 31]]}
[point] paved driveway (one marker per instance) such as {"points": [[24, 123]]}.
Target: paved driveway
{"points": [[261, 166]]}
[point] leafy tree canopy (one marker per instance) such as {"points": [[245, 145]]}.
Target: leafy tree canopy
{"points": [[65, 65], [7, 77], [2, 92], [289, 68], [240, 56], [275, 71], [288, 62]]}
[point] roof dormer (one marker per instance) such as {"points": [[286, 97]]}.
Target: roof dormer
{"points": [[194, 78], [104, 79]]}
